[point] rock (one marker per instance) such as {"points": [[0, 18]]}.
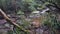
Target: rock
{"points": [[2, 21]]}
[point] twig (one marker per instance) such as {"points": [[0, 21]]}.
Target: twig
{"points": [[10, 21]]}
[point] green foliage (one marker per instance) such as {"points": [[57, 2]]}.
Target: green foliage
{"points": [[20, 12], [23, 6], [52, 22]]}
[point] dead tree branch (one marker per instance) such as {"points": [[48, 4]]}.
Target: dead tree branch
{"points": [[3, 14]]}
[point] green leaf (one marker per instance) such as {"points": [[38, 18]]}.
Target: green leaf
{"points": [[20, 12]]}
